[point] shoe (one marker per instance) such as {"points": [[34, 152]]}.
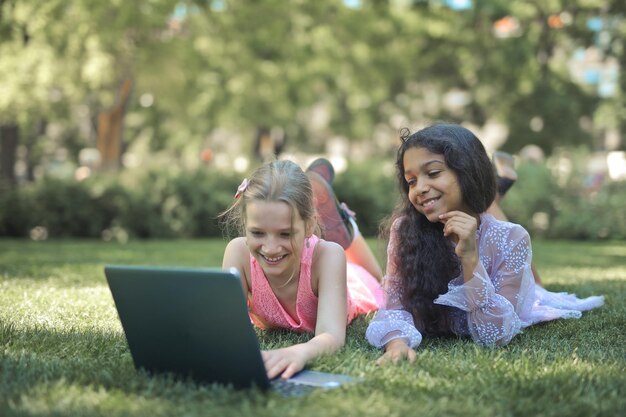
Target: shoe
{"points": [[335, 221], [505, 171], [324, 168]]}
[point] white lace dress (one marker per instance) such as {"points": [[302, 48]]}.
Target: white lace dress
{"points": [[496, 304]]}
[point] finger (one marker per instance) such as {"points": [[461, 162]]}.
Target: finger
{"points": [[456, 220], [411, 355], [382, 360], [466, 222], [460, 227], [451, 228], [290, 371], [273, 373], [444, 217], [455, 213], [268, 358], [397, 355], [275, 370], [271, 364]]}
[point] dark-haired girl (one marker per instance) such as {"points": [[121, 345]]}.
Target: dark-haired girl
{"points": [[452, 269]]}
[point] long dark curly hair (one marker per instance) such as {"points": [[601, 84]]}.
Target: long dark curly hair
{"points": [[425, 260]]}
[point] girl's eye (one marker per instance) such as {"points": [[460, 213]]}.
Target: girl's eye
{"points": [[410, 182], [256, 233], [433, 174], [286, 234]]}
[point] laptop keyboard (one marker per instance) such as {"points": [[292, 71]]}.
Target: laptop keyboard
{"points": [[290, 389]]}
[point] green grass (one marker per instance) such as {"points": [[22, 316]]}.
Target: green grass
{"points": [[63, 352]]}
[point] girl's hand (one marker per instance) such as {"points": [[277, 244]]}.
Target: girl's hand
{"points": [[461, 227], [285, 362], [397, 350]]}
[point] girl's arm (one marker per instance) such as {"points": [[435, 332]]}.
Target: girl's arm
{"points": [[393, 327], [236, 255], [493, 314], [329, 265]]}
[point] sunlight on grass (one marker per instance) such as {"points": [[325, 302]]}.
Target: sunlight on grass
{"points": [[59, 308], [63, 351], [68, 399], [568, 275]]}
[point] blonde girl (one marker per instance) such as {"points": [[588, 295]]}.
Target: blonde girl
{"points": [[292, 278]]}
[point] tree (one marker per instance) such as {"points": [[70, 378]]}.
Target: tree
{"points": [[59, 55], [243, 64]]}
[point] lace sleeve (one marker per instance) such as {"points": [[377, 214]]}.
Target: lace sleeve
{"points": [[392, 322], [493, 315]]}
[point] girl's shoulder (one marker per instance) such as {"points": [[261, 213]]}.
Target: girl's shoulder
{"points": [[494, 229], [237, 255], [325, 250], [327, 256], [239, 242], [238, 248], [328, 259], [396, 224]]}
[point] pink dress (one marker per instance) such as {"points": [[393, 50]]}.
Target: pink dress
{"points": [[365, 294]]}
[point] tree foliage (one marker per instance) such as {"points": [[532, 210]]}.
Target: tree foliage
{"points": [[318, 69]]}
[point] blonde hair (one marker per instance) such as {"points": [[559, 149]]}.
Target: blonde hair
{"points": [[274, 181]]}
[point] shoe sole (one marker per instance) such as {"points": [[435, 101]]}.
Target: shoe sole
{"points": [[333, 222], [323, 168]]}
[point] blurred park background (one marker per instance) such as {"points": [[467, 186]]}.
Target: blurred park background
{"points": [[123, 120]]}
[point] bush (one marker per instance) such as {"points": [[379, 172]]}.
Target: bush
{"points": [[172, 202], [148, 204], [534, 192], [16, 212], [201, 196], [599, 214], [583, 206], [66, 209]]}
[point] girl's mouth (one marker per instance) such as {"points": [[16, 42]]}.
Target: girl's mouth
{"points": [[430, 202], [273, 260], [428, 205]]}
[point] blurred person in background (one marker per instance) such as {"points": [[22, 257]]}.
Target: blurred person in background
{"points": [[505, 178]]}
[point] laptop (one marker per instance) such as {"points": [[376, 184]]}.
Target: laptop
{"points": [[194, 323]]}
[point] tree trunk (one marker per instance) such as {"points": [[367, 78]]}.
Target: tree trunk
{"points": [[30, 140], [110, 129], [9, 138]]}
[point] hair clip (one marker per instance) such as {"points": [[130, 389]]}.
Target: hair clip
{"points": [[242, 187], [405, 132]]}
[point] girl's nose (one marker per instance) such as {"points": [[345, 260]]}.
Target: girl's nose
{"points": [[422, 186], [271, 247]]}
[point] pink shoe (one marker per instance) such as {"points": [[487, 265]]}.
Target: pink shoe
{"points": [[324, 168], [335, 221]]}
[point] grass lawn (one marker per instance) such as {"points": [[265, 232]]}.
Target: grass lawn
{"points": [[63, 352]]}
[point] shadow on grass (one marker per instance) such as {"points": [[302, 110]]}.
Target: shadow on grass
{"points": [[36, 357], [552, 362]]}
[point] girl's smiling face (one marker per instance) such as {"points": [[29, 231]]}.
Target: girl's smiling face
{"points": [[433, 187], [274, 239]]}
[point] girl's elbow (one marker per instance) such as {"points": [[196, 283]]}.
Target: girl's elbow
{"points": [[337, 341], [341, 343]]}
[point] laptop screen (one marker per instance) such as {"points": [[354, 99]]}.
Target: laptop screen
{"points": [[192, 323]]}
